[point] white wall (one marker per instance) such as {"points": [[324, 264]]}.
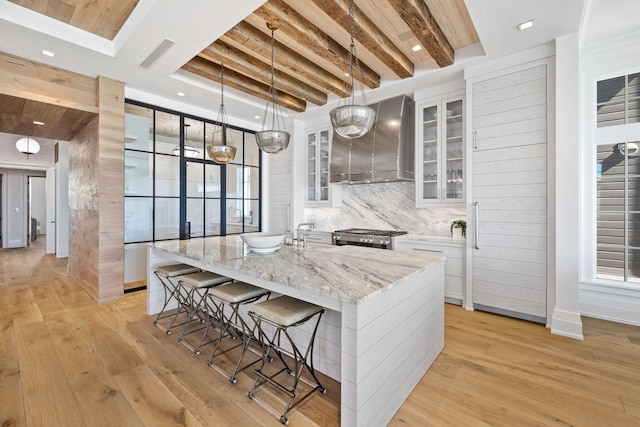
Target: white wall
{"points": [[37, 199], [62, 201], [615, 301]]}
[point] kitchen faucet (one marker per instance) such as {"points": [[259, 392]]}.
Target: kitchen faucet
{"points": [[304, 224]]}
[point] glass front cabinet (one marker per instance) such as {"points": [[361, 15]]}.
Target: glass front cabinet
{"points": [[439, 150], [318, 166]]}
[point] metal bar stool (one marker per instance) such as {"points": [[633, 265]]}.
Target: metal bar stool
{"points": [[169, 275], [195, 287], [282, 313], [226, 301]]}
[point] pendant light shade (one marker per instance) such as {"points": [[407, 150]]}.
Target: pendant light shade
{"points": [[273, 141], [28, 146], [218, 150], [276, 138], [189, 150], [352, 120]]}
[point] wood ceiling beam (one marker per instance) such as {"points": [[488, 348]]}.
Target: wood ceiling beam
{"points": [[211, 71], [426, 29], [369, 35], [313, 38], [259, 43], [234, 59]]}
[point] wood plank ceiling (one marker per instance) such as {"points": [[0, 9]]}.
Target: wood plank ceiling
{"points": [[311, 47]]}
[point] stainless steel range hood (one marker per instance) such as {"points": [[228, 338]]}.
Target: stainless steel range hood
{"points": [[385, 154]]}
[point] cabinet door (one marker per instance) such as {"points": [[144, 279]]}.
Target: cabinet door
{"points": [[323, 166], [440, 152], [430, 149], [312, 148], [318, 174], [453, 149], [453, 270]]}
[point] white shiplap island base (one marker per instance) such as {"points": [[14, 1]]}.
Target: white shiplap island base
{"points": [[384, 323]]}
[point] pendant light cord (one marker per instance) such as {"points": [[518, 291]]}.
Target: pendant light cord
{"points": [[277, 123], [273, 80], [352, 52], [223, 112]]}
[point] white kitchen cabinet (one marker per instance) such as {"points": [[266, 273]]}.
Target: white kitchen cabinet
{"points": [[314, 237], [318, 152], [439, 152], [454, 264]]}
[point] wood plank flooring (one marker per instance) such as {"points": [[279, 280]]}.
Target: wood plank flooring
{"points": [[67, 361]]}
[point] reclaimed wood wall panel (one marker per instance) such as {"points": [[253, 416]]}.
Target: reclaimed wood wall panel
{"points": [[84, 209], [110, 175]]}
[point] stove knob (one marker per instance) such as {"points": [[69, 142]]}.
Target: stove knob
{"points": [[371, 240], [362, 240]]}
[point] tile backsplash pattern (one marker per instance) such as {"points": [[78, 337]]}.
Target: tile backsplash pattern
{"points": [[384, 206]]}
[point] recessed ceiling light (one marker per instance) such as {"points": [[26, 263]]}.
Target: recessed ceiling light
{"points": [[181, 93], [525, 25], [49, 53], [256, 117], [35, 122], [416, 48]]}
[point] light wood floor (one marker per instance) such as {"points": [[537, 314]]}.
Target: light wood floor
{"points": [[67, 361]]}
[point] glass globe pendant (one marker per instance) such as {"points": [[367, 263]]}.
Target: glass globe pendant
{"points": [[221, 153], [275, 139], [352, 120], [28, 146]]}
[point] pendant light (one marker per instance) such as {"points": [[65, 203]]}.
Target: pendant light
{"points": [[28, 146], [218, 150], [189, 150], [275, 139], [352, 120]]}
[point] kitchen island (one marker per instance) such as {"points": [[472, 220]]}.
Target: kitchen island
{"points": [[384, 321]]}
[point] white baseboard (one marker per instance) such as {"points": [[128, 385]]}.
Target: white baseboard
{"points": [[566, 323]]}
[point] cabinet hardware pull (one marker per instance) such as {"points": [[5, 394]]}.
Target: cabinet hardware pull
{"points": [[475, 139], [427, 250], [476, 234]]}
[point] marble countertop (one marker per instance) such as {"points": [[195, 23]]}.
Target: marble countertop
{"points": [[346, 273]]}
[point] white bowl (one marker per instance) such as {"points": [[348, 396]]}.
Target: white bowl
{"points": [[262, 240]]}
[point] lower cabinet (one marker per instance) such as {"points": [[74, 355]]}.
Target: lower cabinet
{"points": [[317, 237], [454, 264]]}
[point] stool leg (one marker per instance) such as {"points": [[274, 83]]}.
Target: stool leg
{"points": [[194, 309], [300, 361], [169, 289], [235, 327]]}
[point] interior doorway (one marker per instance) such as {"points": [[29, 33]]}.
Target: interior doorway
{"points": [[36, 208], [1, 210]]}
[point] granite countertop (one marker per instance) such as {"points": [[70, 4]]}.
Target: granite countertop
{"points": [[345, 273]]}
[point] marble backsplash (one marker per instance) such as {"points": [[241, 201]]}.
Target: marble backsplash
{"points": [[384, 206]]}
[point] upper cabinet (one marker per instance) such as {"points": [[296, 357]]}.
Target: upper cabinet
{"points": [[318, 146], [439, 152]]}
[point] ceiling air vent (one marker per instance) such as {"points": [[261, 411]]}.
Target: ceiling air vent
{"points": [[157, 53]]}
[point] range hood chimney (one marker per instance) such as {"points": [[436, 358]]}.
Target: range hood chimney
{"points": [[385, 153]]}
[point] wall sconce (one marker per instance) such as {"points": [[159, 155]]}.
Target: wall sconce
{"points": [[631, 146]]}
